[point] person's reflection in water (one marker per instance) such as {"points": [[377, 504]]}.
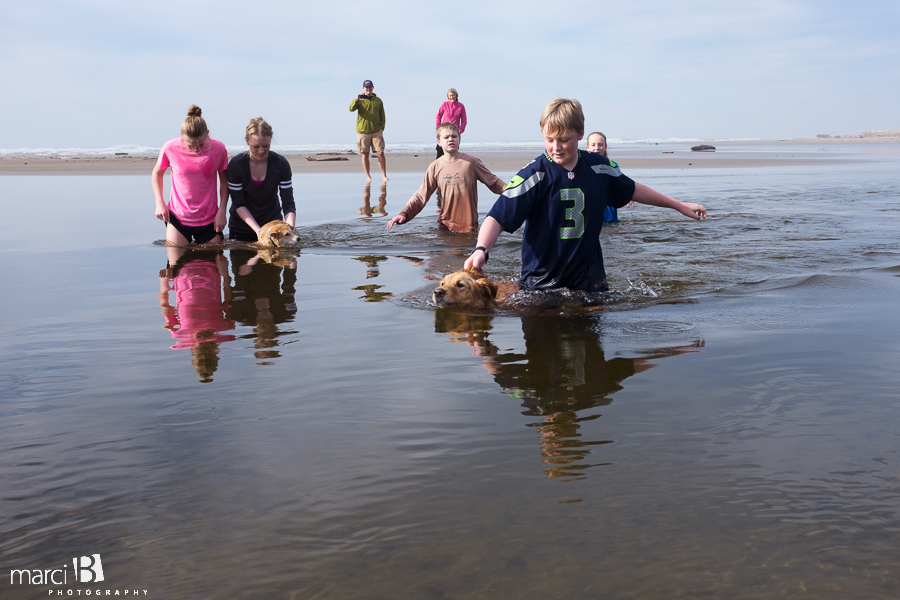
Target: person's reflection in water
{"points": [[562, 373], [263, 297], [200, 314], [366, 209], [371, 262]]}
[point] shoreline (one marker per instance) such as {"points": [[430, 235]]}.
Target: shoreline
{"points": [[411, 162]]}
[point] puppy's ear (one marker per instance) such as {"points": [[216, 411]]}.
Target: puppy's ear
{"points": [[488, 291], [475, 272]]}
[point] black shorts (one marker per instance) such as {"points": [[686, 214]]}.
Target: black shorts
{"points": [[196, 235], [242, 236]]}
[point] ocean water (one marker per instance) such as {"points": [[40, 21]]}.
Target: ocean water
{"points": [[213, 425]]}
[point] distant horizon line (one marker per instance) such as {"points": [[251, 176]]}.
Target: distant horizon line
{"points": [[406, 147], [397, 147]]}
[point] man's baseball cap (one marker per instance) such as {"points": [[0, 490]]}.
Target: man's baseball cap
{"points": [[368, 83]]}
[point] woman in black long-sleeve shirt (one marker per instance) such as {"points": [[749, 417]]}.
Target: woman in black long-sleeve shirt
{"points": [[256, 179]]}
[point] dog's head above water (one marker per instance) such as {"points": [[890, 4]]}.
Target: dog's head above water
{"points": [[278, 234], [465, 289]]}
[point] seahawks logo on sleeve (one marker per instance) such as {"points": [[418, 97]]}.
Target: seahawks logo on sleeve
{"points": [[518, 186]]}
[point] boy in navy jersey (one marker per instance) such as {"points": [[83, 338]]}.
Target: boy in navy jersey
{"points": [[560, 196]]}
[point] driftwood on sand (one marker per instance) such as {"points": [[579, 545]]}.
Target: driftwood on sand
{"points": [[308, 157], [703, 148]]}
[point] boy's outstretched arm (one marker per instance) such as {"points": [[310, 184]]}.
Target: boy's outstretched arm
{"points": [[647, 195], [418, 201], [487, 237]]}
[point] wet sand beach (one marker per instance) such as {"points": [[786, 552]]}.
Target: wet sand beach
{"points": [[309, 426], [642, 156], [397, 163]]}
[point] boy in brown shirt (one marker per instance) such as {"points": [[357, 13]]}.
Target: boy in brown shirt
{"points": [[456, 175]]}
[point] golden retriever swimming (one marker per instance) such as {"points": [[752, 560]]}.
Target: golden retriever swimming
{"points": [[470, 289], [278, 234]]}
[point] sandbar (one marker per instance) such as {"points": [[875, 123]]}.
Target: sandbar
{"points": [[641, 157]]}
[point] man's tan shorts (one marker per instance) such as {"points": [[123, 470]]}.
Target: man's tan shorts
{"points": [[365, 142]]}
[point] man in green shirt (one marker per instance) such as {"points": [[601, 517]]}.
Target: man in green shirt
{"points": [[370, 127]]}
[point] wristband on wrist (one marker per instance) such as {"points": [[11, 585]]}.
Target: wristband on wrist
{"points": [[483, 249]]}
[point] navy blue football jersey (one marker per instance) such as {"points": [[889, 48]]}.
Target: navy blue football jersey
{"points": [[563, 214]]}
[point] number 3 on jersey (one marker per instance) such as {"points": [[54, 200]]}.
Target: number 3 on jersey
{"points": [[573, 213]]}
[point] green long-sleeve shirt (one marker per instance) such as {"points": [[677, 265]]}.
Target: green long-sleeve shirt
{"points": [[370, 114]]}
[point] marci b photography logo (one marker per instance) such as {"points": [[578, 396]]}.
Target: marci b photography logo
{"points": [[86, 570]]}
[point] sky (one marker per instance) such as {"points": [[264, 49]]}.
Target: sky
{"points": [[99, 73]]}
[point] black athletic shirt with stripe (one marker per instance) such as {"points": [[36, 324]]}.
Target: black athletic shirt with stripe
{"points": [[262, 202]]}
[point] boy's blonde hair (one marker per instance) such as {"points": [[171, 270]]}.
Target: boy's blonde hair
{"points": [[446, 126], [563, 115], [194, 126], [258, 126]]}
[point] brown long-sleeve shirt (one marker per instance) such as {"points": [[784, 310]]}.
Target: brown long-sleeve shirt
{"points": [[458, 183]]}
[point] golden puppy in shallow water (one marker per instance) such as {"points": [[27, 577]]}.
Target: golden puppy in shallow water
{"points": [[278, 234], [468, 289]]}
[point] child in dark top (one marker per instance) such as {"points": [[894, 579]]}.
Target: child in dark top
{"points": [[256, 178], [561, 196], [596, 142]]}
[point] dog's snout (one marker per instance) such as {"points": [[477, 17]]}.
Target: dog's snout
{"points": [[439, 291]]}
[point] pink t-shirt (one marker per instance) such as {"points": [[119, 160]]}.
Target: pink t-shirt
{"points": [[198, 296], [195, 183]]}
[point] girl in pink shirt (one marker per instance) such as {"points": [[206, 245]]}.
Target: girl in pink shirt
{"points": [[451, 111], [193, 213]]}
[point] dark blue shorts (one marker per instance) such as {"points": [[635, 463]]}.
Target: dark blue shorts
{"points": [[196, 235]]}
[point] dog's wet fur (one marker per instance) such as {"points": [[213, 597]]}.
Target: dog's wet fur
{"points": [[470, 289], [278, 234]]}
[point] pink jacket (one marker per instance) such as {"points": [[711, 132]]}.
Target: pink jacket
{"points": [[451, 112]]}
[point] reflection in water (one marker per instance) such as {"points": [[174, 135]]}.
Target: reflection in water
{"points": [[263, 297], [370, 291], [371, 263], [562, 373], [366, 209], [200, 314], [280, 257]]}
